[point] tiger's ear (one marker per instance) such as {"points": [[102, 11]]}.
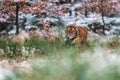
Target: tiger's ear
{"points": [[68, 29]]}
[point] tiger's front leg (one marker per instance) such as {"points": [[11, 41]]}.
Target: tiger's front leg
{"points": [[76, 41]]}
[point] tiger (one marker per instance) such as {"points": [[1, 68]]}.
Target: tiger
{"points": [[76, 34]]}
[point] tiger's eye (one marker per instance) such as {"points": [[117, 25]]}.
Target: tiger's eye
{"points": [[68, 28]]}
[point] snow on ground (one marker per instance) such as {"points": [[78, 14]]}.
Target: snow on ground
{"points": [[82, 20]]}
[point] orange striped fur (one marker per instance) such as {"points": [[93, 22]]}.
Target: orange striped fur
{"points": [[77, 34]]}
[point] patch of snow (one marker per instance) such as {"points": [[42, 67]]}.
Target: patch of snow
{"points": [[50, 19], [94, 15], [3, 20], [117, 20], [12, 32], [78, 5], [29, 26]]}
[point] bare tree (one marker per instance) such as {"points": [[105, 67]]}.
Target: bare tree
{"points": [[13, 7]]}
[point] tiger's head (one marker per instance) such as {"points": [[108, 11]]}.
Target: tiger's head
{"points": [[71, 31]]}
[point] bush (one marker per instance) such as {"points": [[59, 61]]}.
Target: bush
{"points": [[44, 46], [69, 69], [113, 44], [11, 49]]}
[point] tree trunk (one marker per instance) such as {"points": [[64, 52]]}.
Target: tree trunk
{"points": [[17, 16], [93, 9], [59, 26], [86, 12], [102, 13]]}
